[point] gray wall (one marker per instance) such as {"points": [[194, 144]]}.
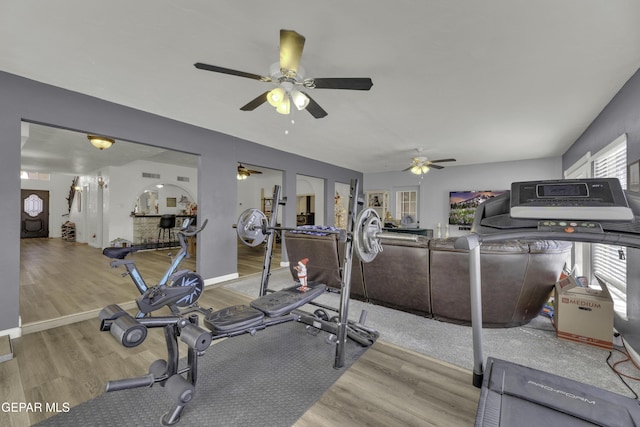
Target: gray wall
{"points": [[621, 115], [24, 99], [434, 188]]}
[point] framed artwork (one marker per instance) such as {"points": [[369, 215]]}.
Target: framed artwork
{"points": [[172, 202], [378, 201], [633, 176], [375, 200]]}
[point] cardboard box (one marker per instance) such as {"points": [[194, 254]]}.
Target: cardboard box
{"points": [[583, 314]]}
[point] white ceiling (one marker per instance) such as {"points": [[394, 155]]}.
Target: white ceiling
{"points": [[481, 81]]}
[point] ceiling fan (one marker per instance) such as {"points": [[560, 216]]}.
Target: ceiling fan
{"points": [[421, 164], [244, 173], [289, 78]]}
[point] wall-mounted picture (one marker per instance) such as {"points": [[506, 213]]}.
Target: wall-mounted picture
{"points": [[375, 200], [463, 205]]}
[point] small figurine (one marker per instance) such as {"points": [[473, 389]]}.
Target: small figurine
{"points": [[301, 268]]}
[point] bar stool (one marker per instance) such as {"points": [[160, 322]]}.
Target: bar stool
{"points": [[167, 223]]}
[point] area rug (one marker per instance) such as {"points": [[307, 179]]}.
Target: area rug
{"points": [[269, 379]]}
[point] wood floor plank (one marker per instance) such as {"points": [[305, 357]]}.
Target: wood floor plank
{"points": [[59, 278], [11, 391], [379, 390]]}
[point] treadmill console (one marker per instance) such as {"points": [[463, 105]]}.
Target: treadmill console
{"points": [[591, 199]]}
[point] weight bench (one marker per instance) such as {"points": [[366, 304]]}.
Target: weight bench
{"points": [[267, 310]]}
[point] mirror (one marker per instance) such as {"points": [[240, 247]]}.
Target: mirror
{"points": [[147, 203], [161, 199], [309, 200]]}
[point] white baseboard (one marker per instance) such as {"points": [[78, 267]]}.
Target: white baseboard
{"points": [[6, 349], [220, 279], [43, 325], [13, 332]]}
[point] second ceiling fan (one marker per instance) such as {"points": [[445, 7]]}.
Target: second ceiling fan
{"points": [[421, 164], [244, 173], [289, 78]]}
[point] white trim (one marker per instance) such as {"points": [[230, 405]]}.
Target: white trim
{"points": [[581, 252], [43, 325], [6, 348], [621, 140], [582, 162], [220, 279], [13, 332]]}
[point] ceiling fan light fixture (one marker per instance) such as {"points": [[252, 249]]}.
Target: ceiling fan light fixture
{"points": [[100, 142], [419, 169], [276, 96], [285, 106], [243, 173], [300, 100]]}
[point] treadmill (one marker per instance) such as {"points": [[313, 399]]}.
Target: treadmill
{"points": [[594, 210]]}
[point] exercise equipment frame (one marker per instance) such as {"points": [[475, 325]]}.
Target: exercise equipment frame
{"points": [[267, 310]]}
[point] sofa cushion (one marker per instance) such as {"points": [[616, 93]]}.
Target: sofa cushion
{"points": [[516, 276], [511, 246], [399, 276], [322, 251]]}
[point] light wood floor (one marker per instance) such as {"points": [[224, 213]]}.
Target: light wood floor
{"points": [[59, 278], [387, 386]]}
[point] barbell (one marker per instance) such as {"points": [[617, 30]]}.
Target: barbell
{"points": [[252, 229]]}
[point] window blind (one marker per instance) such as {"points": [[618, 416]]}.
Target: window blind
{"points": [[608, 260]]}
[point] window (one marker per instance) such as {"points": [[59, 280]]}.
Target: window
{"points": [[607, 260], [407, 207], [35, 176]]}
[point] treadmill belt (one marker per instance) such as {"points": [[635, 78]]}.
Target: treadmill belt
{"points": [[515, 395]]}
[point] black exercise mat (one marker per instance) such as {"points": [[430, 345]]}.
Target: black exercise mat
{"points": [[269, 379]]}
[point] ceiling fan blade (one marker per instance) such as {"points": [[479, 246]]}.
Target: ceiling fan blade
{"points": [[314, 108], [255, 103], [253, 172], [442, 160], [216, 69], [352, 83], [291, 45], [431, 165]]}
